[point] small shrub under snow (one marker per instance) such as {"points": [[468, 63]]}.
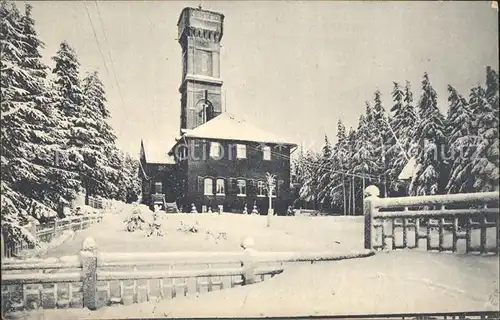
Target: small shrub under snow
{"points": [[215, 235], [136, 221], [155, 227], [189, 228], [209, 234]]}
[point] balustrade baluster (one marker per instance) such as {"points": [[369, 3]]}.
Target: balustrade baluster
{"points": [[405, 233], [135, 297], [428, 231], [160, 283], [210, 283], [417, 231], [441, 235], [174, 289], [148, 290], [455, 237], [55, 293], [382, 234], [468, 226], [483, 225], [393, 233]]}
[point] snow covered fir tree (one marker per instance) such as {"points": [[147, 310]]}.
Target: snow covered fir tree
{"points": [[453, 153], [55, 135]]}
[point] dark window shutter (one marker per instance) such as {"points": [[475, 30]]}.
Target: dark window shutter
{"points": [[200, 184], [232, 186], [280, 186], [231, 152], [251, 187]]}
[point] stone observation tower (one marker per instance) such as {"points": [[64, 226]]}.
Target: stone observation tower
{"points": [[200, 33]]}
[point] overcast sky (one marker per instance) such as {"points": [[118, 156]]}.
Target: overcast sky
{"points": [[293, 68]]}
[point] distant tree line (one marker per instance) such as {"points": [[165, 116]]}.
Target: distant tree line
{"points": [[55, 135], [453, 153]]}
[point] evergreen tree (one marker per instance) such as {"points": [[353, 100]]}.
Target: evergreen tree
{"points": [[402, 125], [93, 128], [27, 146], [324, 172], [309, 164], [132, 183], [340, 167], [429, 140], [22, 78], [485, 161], [380, 140], [72, 133], [350, 166], [11, 50], [364, 164], [492, 88], [327, 149], [364, 153], [460, 141]]}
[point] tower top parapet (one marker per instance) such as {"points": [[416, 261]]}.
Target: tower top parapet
{"points": [[200, 23]]}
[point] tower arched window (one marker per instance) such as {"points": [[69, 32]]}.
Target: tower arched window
{"points": [[205, 110]]}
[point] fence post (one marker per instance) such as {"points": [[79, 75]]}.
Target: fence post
{"points": [[371, 193], [2, 244], [32, 227], [248, 262], [55, 228], [88, 258]]}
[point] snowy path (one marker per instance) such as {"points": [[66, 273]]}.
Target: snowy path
{"points": [[396, 282]]}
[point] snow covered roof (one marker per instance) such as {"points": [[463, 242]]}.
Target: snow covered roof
{"points": [[228, 127], [408, 170], [157, 152]]}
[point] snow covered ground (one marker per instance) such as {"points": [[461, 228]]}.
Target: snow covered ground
{"points": [[394, 282], [285, 234]]}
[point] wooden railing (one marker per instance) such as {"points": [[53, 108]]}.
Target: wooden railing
{"points": [[48, 231], [445, 219], [96, 203], [94, 279]]}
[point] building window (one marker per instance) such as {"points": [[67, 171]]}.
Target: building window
{"points": [[215, 149], [158, 187], [261, 189], [220, 187], [242, 187], [208, 187], [266, 152], [241, 151]]}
